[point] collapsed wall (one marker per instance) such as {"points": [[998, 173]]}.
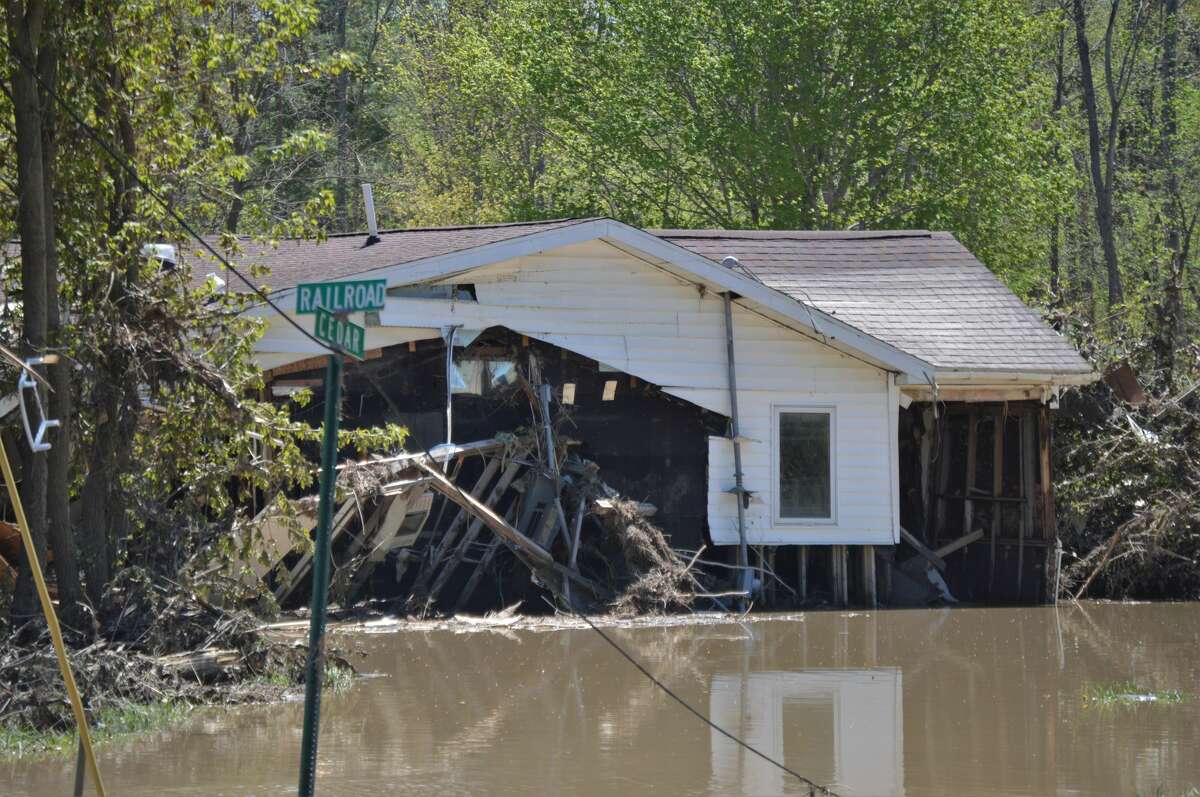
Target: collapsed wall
{"points": [[623, 450]]}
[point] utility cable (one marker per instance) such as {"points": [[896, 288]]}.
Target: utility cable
{"points": [[814, 787], [125, 164]]}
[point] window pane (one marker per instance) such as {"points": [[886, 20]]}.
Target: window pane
{"points": [[804, 488]]}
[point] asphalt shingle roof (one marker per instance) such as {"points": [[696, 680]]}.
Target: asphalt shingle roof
{"points": [[919, 291], [294, 261]]}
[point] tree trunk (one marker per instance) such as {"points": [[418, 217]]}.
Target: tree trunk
{"points": [[24, 23], [1170, 310], [342, 119], [1101, 182], [58, 477]]}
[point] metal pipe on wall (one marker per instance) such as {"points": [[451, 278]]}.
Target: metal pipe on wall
{"points": [[739, 487]]}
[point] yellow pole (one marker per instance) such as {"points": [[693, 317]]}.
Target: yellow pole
{"points": [[85, 737]]}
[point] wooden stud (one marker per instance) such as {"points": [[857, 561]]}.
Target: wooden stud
{"points": [[1049, 521], [1029, 465], [972, 457], [997, 491], [868, 573], [939, 522], [889, 562], [802, 572], [838, 573], [927, 437], [412, 346]]}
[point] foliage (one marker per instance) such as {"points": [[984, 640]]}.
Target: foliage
{"points": [[260, 116], [1128, 693]]}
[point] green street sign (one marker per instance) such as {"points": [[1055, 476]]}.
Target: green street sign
{"points": [[351, 296], [340, 332]]}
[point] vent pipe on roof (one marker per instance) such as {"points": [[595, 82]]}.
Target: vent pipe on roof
{"points": [[731, 262], [372, 224]]}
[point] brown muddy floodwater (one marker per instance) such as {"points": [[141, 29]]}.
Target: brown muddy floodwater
{"points": [[922, 702]]}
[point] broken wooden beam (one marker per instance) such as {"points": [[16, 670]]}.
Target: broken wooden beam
{"points": [[468, 538], [920, 548], [961, 542], [439, 548], [497, 524]]}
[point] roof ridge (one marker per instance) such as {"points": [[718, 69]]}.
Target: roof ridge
{"points": [[794, 235], [447, 228]]}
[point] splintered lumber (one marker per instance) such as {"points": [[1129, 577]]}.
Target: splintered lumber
{"points": [[292, 579], [389, 520], [498, 491], [439, 548], [484, 563], [497, 524], [920, 548], [200, 664], [535, 557], [438, 454], [580, 511]]}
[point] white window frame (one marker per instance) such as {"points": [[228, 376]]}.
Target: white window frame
{"points": [[777, 412]]}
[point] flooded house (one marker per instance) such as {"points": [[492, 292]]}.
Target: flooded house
{"points": [[866, 415]]}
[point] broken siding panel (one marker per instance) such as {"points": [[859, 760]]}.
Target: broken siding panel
{"points": [[658, 328]]}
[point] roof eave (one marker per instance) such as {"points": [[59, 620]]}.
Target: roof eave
{"points": [[999, 377]]}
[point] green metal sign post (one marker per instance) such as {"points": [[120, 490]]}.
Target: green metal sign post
{"points": [[314, 671], [329, 302]]}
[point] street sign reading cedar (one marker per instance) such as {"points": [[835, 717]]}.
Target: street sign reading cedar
{"points": [[350, 296], [340, 332]]}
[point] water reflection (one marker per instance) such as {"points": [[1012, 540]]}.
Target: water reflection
{"points": [[842, 727], [919, 703]]}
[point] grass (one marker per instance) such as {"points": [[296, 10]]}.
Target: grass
{"points": [[20, 741], [108, 723], [1128, 693]]}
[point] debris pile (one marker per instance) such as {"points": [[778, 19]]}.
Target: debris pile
{"points": [[458, 516], [161, 648]]}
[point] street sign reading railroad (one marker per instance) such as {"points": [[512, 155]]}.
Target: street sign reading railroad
{"points": [[351, 296], [330, 328]]}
